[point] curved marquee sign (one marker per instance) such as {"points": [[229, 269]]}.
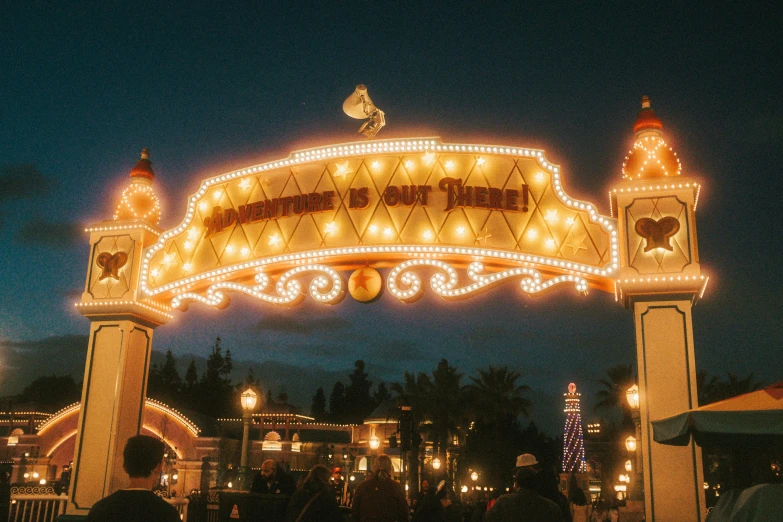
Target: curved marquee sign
{"points": [[466, 216]]}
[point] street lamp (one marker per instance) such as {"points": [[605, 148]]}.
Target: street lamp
{"points": [[632, 395], [474, 476], [375, 443], [630, 443], [628, 466], [248, 400], [436, 463]]}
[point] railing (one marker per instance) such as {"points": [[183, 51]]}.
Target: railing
{"points": [[30, 504], [181, 504], [34, 504], [213, 512]]}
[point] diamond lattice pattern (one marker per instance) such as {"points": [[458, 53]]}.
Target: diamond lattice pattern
{"points": [[549, 227]]}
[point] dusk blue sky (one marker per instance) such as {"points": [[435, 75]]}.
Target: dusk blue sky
{"points": [[209, 88]]}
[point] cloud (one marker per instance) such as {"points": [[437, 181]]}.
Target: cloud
{"points": [[22, 181], [21, 362], [56, 234], [395, 350], [297, 325]]}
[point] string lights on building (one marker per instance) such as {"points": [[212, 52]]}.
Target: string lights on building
{"points": [[573, 438]]}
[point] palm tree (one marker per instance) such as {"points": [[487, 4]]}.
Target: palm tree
{"points": [[415, 391], [707, 386], [713, 389], [495, 395], [611, 398], [447, 407]]}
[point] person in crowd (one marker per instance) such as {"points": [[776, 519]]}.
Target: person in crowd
{"points": [[5, 494], [423, 491], [426, 507], [380, 499], [524, 504], [450, 510], [142, 460], [314, 501], [273, 480], [342, 492], [549, 488], [494, 498], [600, 512]]}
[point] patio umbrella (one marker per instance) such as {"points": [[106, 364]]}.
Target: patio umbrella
{"points": [[755, 414]]}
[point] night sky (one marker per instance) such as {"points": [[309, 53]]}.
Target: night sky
{"points": [[210, 88]]}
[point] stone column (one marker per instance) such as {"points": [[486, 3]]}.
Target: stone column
{"points": [[118, 357], [659, 280]]}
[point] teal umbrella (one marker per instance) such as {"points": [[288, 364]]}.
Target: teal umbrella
{"points": [[758, 414]]}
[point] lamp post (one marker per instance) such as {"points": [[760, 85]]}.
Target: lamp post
{"points": [[248, 400], [375, 443], [632, 395]]}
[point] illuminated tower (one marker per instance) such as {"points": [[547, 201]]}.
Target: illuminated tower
{"points": [[573, 439]]}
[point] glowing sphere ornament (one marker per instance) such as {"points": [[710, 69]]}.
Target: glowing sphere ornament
{"points": [[365, 284]]}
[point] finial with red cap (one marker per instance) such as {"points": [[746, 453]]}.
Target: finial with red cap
{"points": [[650, 157], [143, 167], [139, 201], [647, 120]]}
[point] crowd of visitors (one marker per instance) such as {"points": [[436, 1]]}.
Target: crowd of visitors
{"points": [[323, 495]]}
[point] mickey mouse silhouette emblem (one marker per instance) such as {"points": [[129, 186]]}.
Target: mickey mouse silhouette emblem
{"points": [[657, 233], [111, 264]]}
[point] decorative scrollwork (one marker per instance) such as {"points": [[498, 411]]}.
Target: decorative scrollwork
{"points": [[326, 287], [405, 284], [33, 490]]}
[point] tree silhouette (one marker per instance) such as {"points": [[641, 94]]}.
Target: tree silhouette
{"points": [[495, 401], [414, 391], [215, 392], [495, 395], [359, 403], [381, 394], [318, 408], [446, 406], [611, 399], [337, 405], [712, 389], [52, 392]]}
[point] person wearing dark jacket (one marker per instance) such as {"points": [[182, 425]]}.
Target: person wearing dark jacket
{"points": [[380, 499], [524, 505], [142, 460], [272, 480], [549, 488], [315, 500]]}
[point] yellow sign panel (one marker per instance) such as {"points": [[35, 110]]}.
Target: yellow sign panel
{"points": [[412, 205]]}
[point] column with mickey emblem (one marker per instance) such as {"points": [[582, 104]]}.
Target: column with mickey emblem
{"points": [[659, 280], [120, 342]]}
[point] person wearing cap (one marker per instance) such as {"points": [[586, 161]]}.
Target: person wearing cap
{"points": [[524, 504], [342, 493]]}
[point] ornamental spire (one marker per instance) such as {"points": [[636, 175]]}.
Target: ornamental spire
{"points": [[138, 201], [650, 157], [143, 168]]}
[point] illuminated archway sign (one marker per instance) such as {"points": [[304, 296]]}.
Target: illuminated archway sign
{"points": [[500, 213], [452, 218]]}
